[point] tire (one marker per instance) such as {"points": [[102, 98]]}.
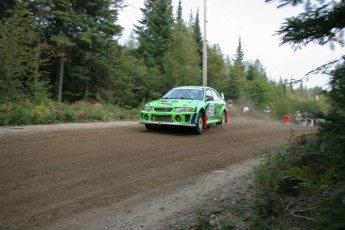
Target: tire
{"points": [[199, 128], [151, 127], [222, 120]]}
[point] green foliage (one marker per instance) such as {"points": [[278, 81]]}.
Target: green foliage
{"points": [[203, 215], [332, 139], [227, 223], [239, 56], [260, 92], [181, 62], [216, 68], [306, 179], [20, 57], [50, 112], [14, 114], [155, 32], [197, 35], [255, 70], [321, 22], [330, 212], [287, 180]]}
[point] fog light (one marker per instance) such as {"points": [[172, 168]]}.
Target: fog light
{"points": [[178, 118], [146, 117]]}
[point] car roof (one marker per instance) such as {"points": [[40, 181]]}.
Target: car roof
{"points": [[192, 87]]}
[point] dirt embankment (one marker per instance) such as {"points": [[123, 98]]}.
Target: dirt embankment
{"points": [[120, 176]]}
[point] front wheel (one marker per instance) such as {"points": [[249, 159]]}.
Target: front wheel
{"points": [[199, 128]]}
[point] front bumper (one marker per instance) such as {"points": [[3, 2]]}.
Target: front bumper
{"points": [[178, 119]]}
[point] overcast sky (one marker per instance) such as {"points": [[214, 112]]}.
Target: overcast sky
{"points": [[256, 23]]}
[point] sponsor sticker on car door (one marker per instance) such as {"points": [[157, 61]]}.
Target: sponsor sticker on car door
{"points": [[210, 112]]}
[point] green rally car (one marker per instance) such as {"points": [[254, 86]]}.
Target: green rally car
{"points": [[193, 106]]}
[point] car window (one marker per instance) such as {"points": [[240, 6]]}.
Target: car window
{"points": [[185, 93], [209, 96], [216, 96], [171, 94], [196, 94]]}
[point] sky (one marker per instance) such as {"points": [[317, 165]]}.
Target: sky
{"points": [[255, 22]]}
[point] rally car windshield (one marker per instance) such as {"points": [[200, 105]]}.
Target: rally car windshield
{"points": [[190, 94]]}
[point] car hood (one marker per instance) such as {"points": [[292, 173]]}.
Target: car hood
{"points": [[174, 103]]}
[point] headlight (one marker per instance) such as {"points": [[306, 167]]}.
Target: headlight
{"points": [[181, 110], [147, 108]]}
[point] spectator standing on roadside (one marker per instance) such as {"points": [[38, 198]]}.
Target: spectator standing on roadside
{"points": [[298, 118], [230, 103], [245, 109], [287, 118], [267, 112]]}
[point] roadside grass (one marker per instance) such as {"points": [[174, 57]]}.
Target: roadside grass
{"points": [[295, 187], [27, 113]]}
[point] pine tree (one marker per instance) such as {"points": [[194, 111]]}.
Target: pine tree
{"points": [[179, 16], [84, 31], [6, 8], [237, 77], [19, 56], [255, 70], [181, 62], [155, 32], [216, 68], [197, 35], [239, 56], [322, 22]]}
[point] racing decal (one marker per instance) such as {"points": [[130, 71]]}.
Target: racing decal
{"points": [[218, 110], [210, 111], [194, 118], [195, 114]]}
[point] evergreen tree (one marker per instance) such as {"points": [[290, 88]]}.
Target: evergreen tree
{"points": [[92, 27], [216, 68], [261, 92], [237, 77], [232, 85], [19, 56], [130, 85], [322, 22], [197, 35], [81, 32], [155, 32], [181, 62], [191, 20], [239, 56], [255, 70], [6, 8], [179, 16]]}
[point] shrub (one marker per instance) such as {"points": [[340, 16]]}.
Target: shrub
{"points": [[330, 212], [20, 115], [288, 184]]}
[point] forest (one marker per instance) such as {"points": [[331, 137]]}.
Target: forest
{"points": [[60, 61], [56, 53]]}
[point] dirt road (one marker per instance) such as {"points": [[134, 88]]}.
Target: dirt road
{"points": [[118, 175]]}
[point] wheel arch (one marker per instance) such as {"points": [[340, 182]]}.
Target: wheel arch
{"points": [[203, 112]]}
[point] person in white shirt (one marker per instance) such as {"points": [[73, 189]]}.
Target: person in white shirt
{"points": [[267, 112], [245, 109]]}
